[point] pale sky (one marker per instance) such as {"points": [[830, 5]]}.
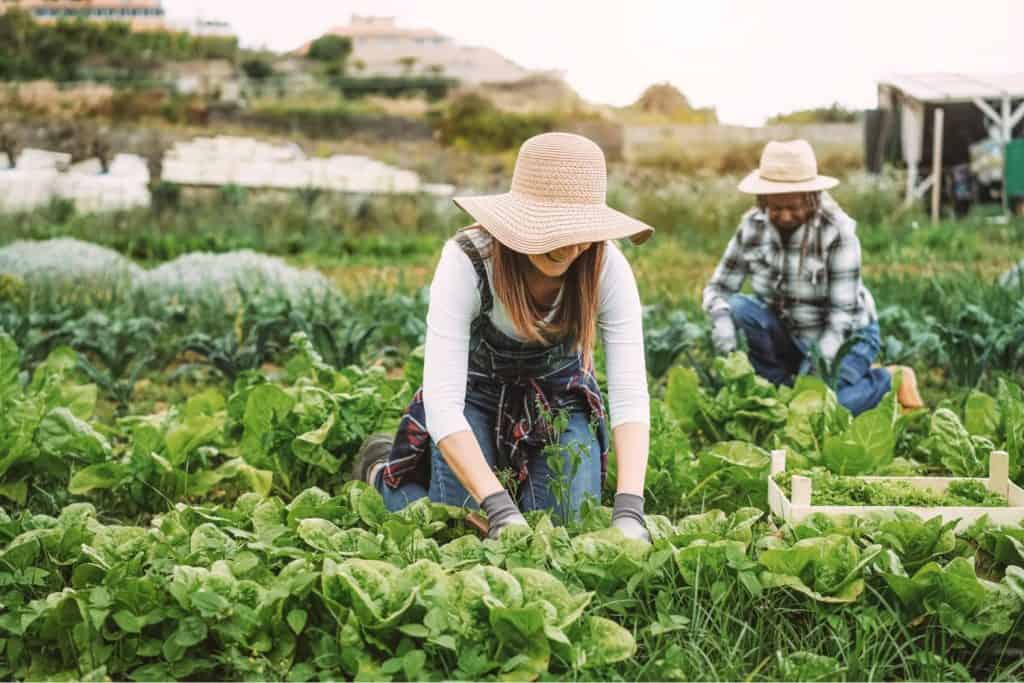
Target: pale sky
{"points": [[748, 58]]}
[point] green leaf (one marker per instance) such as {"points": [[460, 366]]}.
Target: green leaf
{"points": [[151, 672], [605, 642], [517, 626], [981, 414], [209, 603], [681, 395], [866, 446], [949, 444], [208, 402], [10, 362], [539, 585], [266, 407], [15, 490], [808, 666], [297, 620], [415, 630], [60, 434], [259, 481], [309, 447], [128, 622], [194, 431], [367, 502], [102, 476], [190, 631], [826, 569], [412, 664], [914, 540]]}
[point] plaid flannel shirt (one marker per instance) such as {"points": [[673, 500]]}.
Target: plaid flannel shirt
{"points": [[812, 283]]}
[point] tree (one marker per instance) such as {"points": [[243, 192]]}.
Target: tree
{"points": [[667, 101], [257, 69], [834, 113], [9, 142], [407, 64], [330, 48], [436, 70]]}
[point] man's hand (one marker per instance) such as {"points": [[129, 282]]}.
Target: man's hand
{"points": [[501, 512], [628, 517]]}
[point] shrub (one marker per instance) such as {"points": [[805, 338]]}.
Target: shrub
{"points": [[330, 48], [474, 121], [165, 196], [257, 69]]}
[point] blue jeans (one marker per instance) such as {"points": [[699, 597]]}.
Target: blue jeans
{"points": [[578, 472], [778, 357]]}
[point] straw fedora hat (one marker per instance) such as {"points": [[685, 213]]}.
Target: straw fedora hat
{"points": [[557, 199], [787, 167]]}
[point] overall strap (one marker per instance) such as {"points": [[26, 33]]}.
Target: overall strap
{"points": [[470, 249]]}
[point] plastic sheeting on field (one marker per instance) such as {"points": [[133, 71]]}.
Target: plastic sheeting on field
{"points": [[203, 277], [67, 264], [24, 190], [74, 268], [36, 180], [250, 163], [40, 159]]}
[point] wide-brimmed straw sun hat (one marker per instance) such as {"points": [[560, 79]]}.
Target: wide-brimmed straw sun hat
{"points": [[557, 199], [787, 167]]}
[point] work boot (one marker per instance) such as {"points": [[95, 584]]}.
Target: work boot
{"points": [[908, 395], [372, 458]]}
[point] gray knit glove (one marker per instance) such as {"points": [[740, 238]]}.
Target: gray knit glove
{"points": [[723, 332], [501, 512], [628, 517]]}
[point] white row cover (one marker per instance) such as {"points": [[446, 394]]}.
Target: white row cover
{"points": [[121, 166], [250, 163], [22, 190], [239, 149], [36, 180], [328, 174], [192, 278], [66, 263], [102, 192], [206, 277], [41, 160]]}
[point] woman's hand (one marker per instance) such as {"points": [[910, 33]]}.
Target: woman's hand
{"points": [[628, 517], [462, 453], [501, 512], [632, 443]]}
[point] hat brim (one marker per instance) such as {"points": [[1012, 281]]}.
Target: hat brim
{"points": [[755, 184], [531, 227]]}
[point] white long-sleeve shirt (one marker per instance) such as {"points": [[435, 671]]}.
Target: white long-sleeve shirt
{"points": [[455, 303]]}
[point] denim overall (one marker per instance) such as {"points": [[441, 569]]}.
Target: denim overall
{"points": [[515, 392]]}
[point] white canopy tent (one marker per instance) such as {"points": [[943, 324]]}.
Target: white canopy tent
{"points": [[993, 94]]}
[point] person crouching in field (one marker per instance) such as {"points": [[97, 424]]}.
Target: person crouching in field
{"points": [[802, 255], [516, 305]]}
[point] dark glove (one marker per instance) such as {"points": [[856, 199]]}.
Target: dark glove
{"points": [[501, 512], [628, 517]]}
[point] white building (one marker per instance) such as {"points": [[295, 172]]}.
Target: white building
{"points": [[382, 48], [200, 26]]}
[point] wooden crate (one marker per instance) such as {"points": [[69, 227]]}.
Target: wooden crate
{"points": [[998, 481]]}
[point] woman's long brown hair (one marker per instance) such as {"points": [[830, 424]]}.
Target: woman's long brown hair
{"points": [[576, 317]]}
